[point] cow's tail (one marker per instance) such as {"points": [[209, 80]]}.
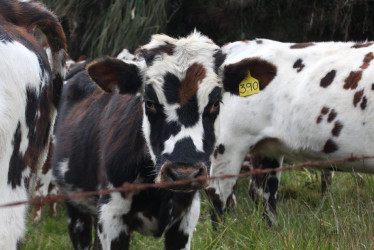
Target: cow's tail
{"points": [[33, 15]]}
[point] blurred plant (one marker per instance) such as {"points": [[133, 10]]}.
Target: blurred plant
{"points": [[98, 27]]}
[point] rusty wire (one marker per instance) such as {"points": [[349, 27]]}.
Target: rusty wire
{"points": [[130, 187]]}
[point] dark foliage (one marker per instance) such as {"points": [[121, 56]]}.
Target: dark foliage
{"points": [[99, 27]]}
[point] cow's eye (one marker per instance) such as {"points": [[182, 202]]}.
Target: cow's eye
{"points": [[150, 105], [215, 106]]}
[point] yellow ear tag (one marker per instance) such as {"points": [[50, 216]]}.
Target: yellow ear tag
{"points": [[249, 86]]}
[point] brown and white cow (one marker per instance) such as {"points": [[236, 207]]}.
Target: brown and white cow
{"points": [[306, 101], [147, 121], [30, 88]]}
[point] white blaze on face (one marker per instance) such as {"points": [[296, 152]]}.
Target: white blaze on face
{"points": [[195, 133]]}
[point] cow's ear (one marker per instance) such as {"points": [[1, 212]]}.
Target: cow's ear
{"points": [[234, 74], [111, 73]]}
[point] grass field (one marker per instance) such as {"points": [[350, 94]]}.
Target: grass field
{"points": [[342, 219]]}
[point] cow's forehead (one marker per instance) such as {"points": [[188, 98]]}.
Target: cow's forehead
{"points": [[166, 54], [181, 69]]}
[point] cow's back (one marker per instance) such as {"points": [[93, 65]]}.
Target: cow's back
{"points": [[319, 105], [95, 133]]}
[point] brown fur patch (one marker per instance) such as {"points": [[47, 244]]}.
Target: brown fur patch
{"points": [[332, 115], [363, 103], [215, 153], [330, 146], [47, 165], [28, 16], [337, 128], [298, 65], [301, 45], [325, 110], [189, 85], [367, 59], [319, 119], [327, 80], [352, 80], [357, 97], [372, 86], [262, 70], [362, 45]]}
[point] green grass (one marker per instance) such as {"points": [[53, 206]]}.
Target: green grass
{"points": [[343, 219]]}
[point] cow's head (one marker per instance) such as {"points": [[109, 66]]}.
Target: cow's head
{"points": [[181, 90]]}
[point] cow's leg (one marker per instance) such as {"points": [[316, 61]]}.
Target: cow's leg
{"points": [[179, 235], [326, 180], [265, 187], [52, 207], [227, 159], [112, 230], [80, 227], [96, 244]]}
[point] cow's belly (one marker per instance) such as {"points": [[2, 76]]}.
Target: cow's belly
{"points": [[276, 149], [363, 166]]}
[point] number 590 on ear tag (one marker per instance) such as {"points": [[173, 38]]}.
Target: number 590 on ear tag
{"points": [[249, 86]]}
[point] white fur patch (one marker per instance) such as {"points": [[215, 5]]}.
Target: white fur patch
{"points": [[149, 226], [110, 216], [195, 133], [189, 220]]}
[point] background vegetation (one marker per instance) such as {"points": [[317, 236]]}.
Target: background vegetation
{"points": [[342, 219], [98, 27]]}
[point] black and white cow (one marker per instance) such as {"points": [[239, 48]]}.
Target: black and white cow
{"points": [[313, 101], [146, 121], [29, 93]]}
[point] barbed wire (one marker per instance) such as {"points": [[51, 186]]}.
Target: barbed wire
{"points": [[136, 187]]}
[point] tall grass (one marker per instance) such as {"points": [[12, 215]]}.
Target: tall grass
{"points": [[342, 219], [97, 28]]}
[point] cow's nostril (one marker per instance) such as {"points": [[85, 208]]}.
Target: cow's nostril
{"points": [[199, 173], [172, 174]]}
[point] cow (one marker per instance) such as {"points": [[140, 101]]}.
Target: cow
{"points": [[295, 102], [45, 186], [30, 88], [45, 183], [144, 121]]}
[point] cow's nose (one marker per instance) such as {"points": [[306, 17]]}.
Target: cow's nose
{"points": [[178, 172], [184, 172]]}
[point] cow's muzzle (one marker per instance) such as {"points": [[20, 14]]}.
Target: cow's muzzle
{"points": [[171, 172]]}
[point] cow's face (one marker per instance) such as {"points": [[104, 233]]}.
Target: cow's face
{"points": [[182, 94]]}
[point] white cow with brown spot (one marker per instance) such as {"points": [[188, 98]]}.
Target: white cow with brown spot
{"points": [[308, 101]]}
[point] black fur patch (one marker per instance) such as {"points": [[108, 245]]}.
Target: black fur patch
{"points": [[188, 114], [31, 107], [219, 58], [185, 153], [16, 164], [171, 87], [221, 149]]}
